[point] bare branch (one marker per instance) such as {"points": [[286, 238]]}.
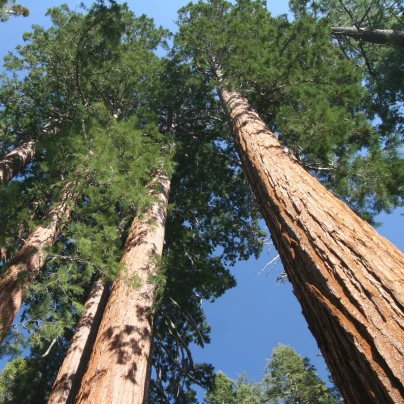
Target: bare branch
{"points": [[49, 348]]}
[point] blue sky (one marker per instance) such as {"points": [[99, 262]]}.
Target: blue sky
{"points": [[250, 320]]}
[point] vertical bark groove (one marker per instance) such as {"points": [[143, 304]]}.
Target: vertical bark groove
{"points": [[119, 364], [68, 380], [15, 161], [29, 260], [348, 279]]}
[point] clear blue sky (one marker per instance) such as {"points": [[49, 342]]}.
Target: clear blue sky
{"points": [[250, 320]]}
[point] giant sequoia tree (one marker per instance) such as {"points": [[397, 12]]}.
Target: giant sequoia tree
{"points": [[107, 133], [120, 365], [337, 263]]}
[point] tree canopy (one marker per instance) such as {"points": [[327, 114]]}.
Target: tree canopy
{"points": [[106, 112]]}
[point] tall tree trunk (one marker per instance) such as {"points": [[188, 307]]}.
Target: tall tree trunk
{"points": [[376, 36], [119, 365], [30, 258], [347, 278], [15, 161], [68, 380]]}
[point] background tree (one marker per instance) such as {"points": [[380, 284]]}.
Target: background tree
{"points": [[226, 390], [288, 378]]}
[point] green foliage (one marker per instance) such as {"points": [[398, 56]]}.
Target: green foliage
{"points": [[303, 87], [13, 374], [9, 7], [209, 200], [379, 65], [228, 391], [24, 380], [102, 156], [291, 378], [288, 378], [108, 113]]}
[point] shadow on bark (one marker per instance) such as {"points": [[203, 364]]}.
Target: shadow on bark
{"points": [[71, 382]]}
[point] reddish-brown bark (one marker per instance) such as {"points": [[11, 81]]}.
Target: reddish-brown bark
{"points": [[348, 279], [68, 380], [119, 366], [15, 161], [30, 258]]}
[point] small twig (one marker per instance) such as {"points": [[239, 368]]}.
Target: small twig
{"points": [[274, 261], [23, 324]]}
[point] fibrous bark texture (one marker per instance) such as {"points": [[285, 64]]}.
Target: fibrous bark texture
{"points": [[68, 380], [30, 258], [118, 369], [376, 36], [348, 279], [15, 161]]}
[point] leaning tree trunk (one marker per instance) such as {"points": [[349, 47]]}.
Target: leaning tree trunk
{"points": [[30, 258], [376, 36], [118, 369], [68, 380], [15, 161], [348, 279]]}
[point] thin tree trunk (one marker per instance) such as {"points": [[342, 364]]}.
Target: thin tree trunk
{"points": [[376, 36], [119, 365], [348, 279], [3, 253], [68, 380], [15, 161], [30, 258]]}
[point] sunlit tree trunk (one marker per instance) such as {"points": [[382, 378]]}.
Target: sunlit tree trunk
{"points": [[119, 366], [376, 36], [348, 279], [3, 253], [15, 161], [30, 258], [68, 380]]}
